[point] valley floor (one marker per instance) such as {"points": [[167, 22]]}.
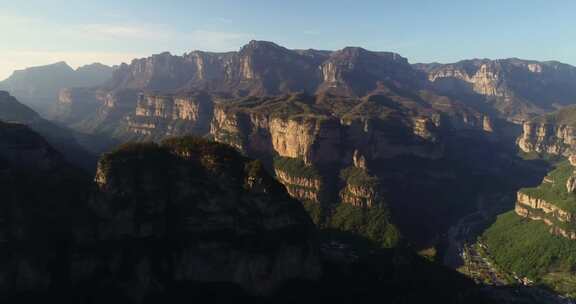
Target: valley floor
{"points": [[469, 255]]}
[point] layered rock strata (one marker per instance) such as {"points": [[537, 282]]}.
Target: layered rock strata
{"points": [[553, 202]]}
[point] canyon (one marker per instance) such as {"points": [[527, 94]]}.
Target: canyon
{"points": [[354, 141]]}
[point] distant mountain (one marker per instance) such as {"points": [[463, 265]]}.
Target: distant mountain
{"points": [[516, 89], [512, 89], [61, 138], [39, 86], [258, 69], [264, 68]]}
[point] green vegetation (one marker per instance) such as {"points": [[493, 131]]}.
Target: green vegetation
{"points": [[315, 211], [286, 107], [555, 192], [527, 248], [295, 167], [565, 116], [230, 138], [358, 177], [562, 282], [153, 157], [549, 158], [371, 223]]}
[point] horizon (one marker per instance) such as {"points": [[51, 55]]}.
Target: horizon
{"points": [[422, 31]]}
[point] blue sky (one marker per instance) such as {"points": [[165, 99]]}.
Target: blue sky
{"points": [[35, 32]]}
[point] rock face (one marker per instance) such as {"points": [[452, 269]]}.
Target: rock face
{"points": [[356, 71], [301, 188], [38, 87], [515, 88], [184, 212], [158, 117], [553, 202], [258, 69], [309, 145], [552, 133]]}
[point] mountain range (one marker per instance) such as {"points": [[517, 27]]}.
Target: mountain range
{"points": [[38, 87], [396, 156]]}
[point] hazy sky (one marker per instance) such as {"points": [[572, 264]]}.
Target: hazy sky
{"points": [[36, 32]]}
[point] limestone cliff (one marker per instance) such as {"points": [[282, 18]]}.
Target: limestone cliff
{"points": [[553, 202], [553, 133], [306, 130], [158, 117], [260, 69], [301, 188], [516, 88]]}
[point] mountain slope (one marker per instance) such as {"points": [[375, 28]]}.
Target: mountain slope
{"points": [[513, 87], [38, 87], [62, 139]]}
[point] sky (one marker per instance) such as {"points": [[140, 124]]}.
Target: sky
{"points": [[38, 32]]}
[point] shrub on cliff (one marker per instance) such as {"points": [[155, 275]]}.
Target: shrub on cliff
{"points": [[371, 223], [295, 167]]}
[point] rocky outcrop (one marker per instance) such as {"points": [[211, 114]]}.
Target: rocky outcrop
{"points": [[552, 134], [536, 215], [257, 126], [546, 138], [302, 127], [552, 202], [544, 206], [301, 188], [356, 71], [158, 117]]}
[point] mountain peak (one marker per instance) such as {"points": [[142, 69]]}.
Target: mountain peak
{"points": [[260, 45]]}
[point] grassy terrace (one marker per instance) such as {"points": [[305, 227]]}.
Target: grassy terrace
{"points": [[286, 107], [295, 167], [555, 192], [537, 212]]}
